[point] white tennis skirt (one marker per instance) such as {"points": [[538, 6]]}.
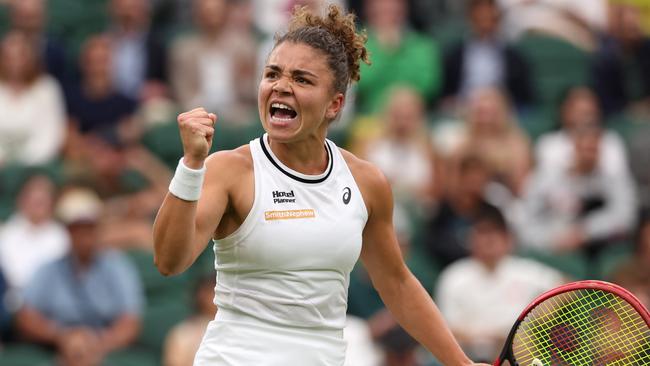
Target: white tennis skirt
{"points": [[237, 340]]}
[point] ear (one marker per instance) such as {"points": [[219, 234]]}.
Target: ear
{"points": [[335, 106]]}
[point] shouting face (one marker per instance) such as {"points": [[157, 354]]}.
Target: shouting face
{"points": [[296, 96]]}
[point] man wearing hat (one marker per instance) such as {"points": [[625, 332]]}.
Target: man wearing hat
{"points": [[87, 303]]}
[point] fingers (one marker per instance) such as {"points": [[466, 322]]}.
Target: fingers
{"points": [[197, 115], [205, 131]]}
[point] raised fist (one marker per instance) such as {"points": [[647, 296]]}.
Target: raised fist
{"points": [[196, 128]]}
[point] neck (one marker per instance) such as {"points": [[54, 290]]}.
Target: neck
{"points": [[97, 87], [81, 263], [307, 156], [16, 85], [490, 266], [212, 34]]}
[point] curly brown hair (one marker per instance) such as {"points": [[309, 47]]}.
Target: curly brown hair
{"points": [[335, 35]]}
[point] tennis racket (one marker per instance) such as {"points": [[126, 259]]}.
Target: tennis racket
{"points": [[584, 323]]}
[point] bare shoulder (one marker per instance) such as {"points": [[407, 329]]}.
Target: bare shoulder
{"points": [[230, 164], [239, 158], [372, 182]]}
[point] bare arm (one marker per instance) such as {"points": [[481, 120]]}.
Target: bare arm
{"points": [[402, 293], [182, 229], [121, 333], [33, 326]]}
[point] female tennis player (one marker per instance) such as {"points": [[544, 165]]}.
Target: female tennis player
{"points": [[290, 214]]}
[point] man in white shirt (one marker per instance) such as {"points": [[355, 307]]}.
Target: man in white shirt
{"points": [[482, 295]]}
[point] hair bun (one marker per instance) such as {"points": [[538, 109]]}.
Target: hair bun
{"points": [[342, 28]]}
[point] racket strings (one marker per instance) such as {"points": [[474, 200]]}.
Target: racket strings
{"points": [[583, 327]]}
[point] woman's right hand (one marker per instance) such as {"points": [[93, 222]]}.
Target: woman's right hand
{"points": [[196, 128]]}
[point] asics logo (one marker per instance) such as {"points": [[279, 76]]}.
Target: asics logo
{"points": [[347, 194]]}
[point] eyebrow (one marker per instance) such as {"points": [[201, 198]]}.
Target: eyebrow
{"points": [[297, 72]]}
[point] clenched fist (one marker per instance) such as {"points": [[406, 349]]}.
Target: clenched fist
{"points": [[196, 129]]}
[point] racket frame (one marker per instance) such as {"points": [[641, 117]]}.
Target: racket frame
{"points": [[507, 353]]}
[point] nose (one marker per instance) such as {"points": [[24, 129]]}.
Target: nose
{"points": [[281, 86]]}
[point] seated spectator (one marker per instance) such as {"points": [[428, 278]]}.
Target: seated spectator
{"points": [[94, 105], [582, 207], [139, 56], [491, 131], [31, 237], [227, 56], [483, 60], [402, 148], [30, 18], [634, 273], [481, 296], [184, 339], [88, 303], [131, 180], [400, 56], [464, 197], [32, 116], [620, 74], [579, 109]]}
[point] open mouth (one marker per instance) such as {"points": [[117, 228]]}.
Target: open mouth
{"points": [[282, 112]]}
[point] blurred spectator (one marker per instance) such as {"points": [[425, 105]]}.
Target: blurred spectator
{"points": [[579, 109], [575, 21], [480, 296], [399, 56], [94, 106], [491, 131], [184, 339], [31, 236], [620, 71], [139, 56], [88, 303], [448, 229], [32, 116], [30, 17], [484, 60], [582, 207], [223, 78], [402, 149], [131, 180], [634, 273]]}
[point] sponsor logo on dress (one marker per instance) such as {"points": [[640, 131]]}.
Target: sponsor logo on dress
{"points": [[347, 194], [284, 197], [289, 214]]}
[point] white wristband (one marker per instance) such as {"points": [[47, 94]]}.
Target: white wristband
{"points": [[186, 183]]}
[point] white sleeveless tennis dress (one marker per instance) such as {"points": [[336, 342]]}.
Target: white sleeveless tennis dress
{"points": [[282, 277]]}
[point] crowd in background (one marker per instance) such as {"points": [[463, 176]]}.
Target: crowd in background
{"points": [[515, 134]]}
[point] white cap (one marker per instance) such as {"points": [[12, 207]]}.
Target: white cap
{"points": [[79, 205]]}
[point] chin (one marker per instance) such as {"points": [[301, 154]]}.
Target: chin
{"points": [[282, 132]]}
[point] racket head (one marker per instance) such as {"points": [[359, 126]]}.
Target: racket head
{"points": [[591, 323]]}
